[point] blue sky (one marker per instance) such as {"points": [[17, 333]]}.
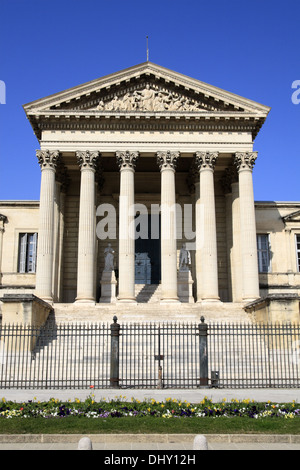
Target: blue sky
{"points": [[250, 48]]}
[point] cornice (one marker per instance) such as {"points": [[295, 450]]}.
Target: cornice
{"points": [[160, 122]]}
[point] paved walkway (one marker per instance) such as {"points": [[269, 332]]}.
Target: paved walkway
{"points": [[191, 395], [150, 443], [183, 442]]}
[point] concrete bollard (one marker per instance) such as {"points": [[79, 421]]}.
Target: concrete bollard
{"points": [[85, 443], [200, 443]]}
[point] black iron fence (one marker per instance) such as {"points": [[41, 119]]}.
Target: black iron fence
{"points": [[150, 355]]}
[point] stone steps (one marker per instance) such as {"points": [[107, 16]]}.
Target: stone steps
{"points": [[147, 293], [151, 312]]}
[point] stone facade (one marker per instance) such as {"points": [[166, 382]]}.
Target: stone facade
{"points": [[148, 148]]}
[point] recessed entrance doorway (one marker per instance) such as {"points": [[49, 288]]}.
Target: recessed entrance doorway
{"points": [[147, 249]]}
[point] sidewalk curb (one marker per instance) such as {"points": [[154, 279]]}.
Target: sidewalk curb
{"points": [[140, 438]]}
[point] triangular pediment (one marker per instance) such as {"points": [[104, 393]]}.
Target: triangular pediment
{"points": [[293, 217], [145, 88]]}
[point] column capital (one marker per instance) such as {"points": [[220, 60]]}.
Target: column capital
{"points": [[48, 159], [87, 160], [167, 160], [245, 160], [127, 160], [206, 160]]}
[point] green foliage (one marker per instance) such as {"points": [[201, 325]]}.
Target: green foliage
{"points": [[121, 407]]}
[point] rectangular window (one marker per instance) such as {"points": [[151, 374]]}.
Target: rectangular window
{"points": [[27, 252], [263, 253], [298, 251]]}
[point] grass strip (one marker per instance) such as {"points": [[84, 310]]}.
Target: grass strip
{"points": [[148, 425]]}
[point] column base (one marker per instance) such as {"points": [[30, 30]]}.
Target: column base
{"points": [[250, 299], [128, 300], [209, 300], [84, 301], [170, 301]]}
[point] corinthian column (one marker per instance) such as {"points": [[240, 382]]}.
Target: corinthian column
{"points": [[167, 162], [250, 280], [47, 161], [127, 162], [87, 227], [206, 234]]}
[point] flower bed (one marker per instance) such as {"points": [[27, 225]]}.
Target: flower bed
{"points": [[170, 408]]}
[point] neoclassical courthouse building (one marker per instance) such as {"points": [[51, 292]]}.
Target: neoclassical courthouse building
{"points": [[146, 208]]}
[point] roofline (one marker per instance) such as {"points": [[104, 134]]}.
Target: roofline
{"points": [[143, 67]]}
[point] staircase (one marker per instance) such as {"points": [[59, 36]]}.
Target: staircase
{"points": [[147, 293], [148, 308]]}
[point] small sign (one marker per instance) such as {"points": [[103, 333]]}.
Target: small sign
{"points": [[158, 357]]}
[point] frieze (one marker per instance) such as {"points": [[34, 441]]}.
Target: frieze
{"points": [[151, 98]]}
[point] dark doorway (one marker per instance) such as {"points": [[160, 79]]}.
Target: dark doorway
{"points": [[148, 242]]}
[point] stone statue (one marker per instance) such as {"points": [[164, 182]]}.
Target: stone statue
{"points": [[184, 259], [109, 259], [149, 99]]}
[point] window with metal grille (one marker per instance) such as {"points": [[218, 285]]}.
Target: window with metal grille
{"points": [[27, 252], [263, 253]]}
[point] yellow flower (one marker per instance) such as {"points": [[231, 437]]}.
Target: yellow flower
{"points": [[162, 406]]}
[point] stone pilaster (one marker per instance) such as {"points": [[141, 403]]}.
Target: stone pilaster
{"points": [[167, 162], [244, 162], [44, 272], [127, 162], [206, 235], [87, 161]]}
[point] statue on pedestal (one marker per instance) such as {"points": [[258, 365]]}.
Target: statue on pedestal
{"points": [[184, 259], [108, 280], [109, 258]]}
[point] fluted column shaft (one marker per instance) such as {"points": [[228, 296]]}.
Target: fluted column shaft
{"points": [[250, 277], [236, 264], [87, 227], [167, 162], [206, 234], [126, 161], [48, 161]]}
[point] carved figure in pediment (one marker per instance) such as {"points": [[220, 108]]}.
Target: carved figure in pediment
{"points": [[161, 102], [177, 102], [127, 102], [149, 99], [146, 98], [113, 105], [100, 106]]}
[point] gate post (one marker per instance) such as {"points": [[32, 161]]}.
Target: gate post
{"points": [[114, 355], [202, 327]]}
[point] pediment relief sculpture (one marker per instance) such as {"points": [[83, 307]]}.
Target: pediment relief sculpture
{"points": [[150, 99]]}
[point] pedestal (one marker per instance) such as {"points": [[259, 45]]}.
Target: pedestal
{"points": [[108, 287], [185, 286]]}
